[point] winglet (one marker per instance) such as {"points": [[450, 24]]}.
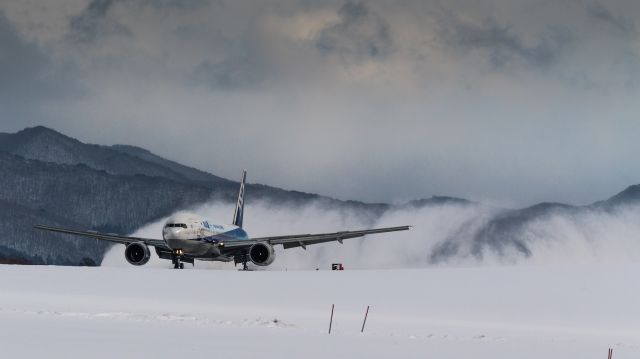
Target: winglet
{"points": [[237, 216]]}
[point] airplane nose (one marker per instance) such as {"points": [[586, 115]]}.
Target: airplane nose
{"points": [[170, 233]]}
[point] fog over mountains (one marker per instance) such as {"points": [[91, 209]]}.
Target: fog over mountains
{"points": [[49, 178]]}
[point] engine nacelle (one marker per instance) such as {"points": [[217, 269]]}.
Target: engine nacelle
{"points": [[262, 254], [137, 253]]}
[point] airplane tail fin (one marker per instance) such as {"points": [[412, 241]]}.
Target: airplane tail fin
{"points": [[237, 216]]}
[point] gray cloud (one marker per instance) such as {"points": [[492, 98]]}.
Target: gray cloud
{"points": [[503, 45], [177, 4], [599, 12], [27, 77], [21, 64], [229, 74], [93, 22], [361, 33], [378, 101]]}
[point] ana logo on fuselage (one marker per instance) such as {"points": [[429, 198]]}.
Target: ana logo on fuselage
{"points": [[212, 226]]}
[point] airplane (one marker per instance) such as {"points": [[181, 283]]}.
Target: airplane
{"points": [[187, 237]]}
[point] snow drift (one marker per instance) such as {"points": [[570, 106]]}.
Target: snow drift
{"points": [[444, 233]]}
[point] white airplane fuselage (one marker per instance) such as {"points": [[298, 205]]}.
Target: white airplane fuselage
{"points": [[197, 236]]}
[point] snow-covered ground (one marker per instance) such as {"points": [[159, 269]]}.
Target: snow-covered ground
{"points": [[576, 311]]}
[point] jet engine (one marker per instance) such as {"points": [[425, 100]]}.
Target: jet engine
{"points": [[137, 253], [262, 254]]}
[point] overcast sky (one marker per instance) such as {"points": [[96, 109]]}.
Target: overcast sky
{"points": [[512, 102]]}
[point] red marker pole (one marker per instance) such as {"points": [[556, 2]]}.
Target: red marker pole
{"points": [[365, 319], [331, 320]]}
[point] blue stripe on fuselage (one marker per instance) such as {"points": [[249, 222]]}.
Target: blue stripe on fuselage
{"points": [[237, 233]]}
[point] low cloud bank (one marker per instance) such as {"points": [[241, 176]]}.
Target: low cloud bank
{"points": [[445, 234]]}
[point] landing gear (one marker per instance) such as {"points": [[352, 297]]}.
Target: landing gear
{"points": [[242, 258], [177, 259]]}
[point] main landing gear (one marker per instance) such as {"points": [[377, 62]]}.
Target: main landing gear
{"points": [[177, 259], [242, 258]]}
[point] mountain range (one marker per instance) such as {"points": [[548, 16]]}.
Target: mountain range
{"points": [[52, 179]]}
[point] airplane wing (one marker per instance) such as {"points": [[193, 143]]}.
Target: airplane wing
{"points": [[106, 236], [302, 240]]}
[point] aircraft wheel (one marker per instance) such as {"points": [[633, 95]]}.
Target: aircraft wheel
{"points": [[181, 265]]}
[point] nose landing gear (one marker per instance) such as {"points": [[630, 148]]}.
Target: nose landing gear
{"points": [[177, 259]]}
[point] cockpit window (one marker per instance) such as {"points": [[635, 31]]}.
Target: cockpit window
{"points": [[176, 225]]}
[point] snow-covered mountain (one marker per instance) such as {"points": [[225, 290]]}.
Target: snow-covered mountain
{"points": [[49, 178]]}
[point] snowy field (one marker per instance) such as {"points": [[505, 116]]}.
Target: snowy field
{"points": [[489, 312]]}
